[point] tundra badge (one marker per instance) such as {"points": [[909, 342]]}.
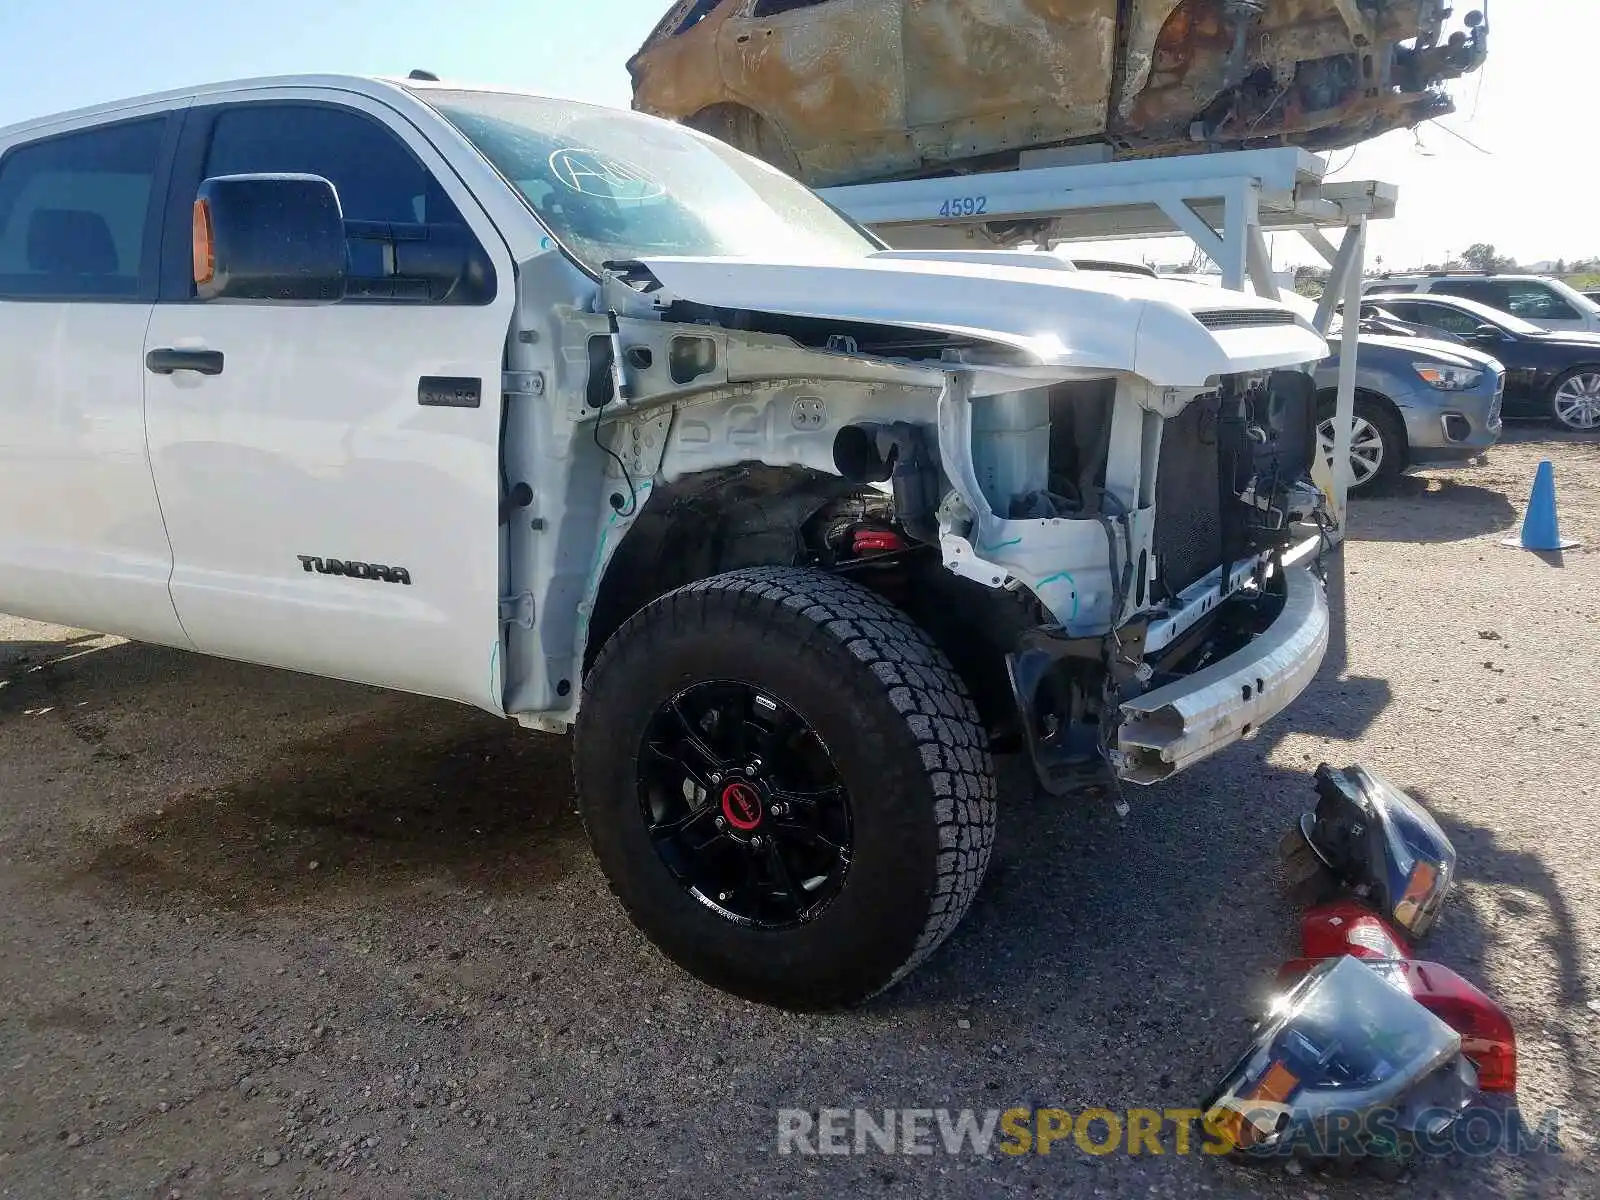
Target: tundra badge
{"points": [[355, 570]]}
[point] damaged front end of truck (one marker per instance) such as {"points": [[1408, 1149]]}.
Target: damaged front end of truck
{"points": [[1079, 485], [1089, 520]]}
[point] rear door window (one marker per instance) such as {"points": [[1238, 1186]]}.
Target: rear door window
{"points": [[1437, 316], [1494, 294], [75, 214], [1526, 298], [1534, 301]]}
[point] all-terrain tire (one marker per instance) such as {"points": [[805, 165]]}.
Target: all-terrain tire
{"points": [[897, 723]]}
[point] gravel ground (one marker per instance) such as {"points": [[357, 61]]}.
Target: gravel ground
{"points": [[266, 935]]}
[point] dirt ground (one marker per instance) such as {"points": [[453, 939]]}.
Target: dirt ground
{"points": [[266, 935]]}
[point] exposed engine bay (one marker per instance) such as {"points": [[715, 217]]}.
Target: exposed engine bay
{"points": [[1084, 543]]}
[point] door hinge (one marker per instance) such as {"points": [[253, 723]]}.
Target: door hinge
{"points": [[517, 610], [522, 383]]}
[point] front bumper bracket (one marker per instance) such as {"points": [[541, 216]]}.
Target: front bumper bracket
{"points": [[1168, 729]]}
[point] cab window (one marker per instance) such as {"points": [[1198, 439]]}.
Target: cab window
{"points": [[376, 175], [75, 214]]}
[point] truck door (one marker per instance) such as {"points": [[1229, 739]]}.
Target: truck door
{"points": [[81, 540], [330, 472]]}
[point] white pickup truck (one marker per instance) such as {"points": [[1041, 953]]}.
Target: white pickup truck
{"points": [[585, 418]]}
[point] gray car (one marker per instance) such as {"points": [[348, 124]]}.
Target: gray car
{"points": [[1419, 403]]}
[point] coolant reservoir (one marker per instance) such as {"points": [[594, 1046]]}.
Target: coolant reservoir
{"points": [[1011, 448]]}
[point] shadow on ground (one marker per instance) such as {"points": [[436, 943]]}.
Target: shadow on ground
{"points": [[400, 799], [390, 790], [1422, 509]]}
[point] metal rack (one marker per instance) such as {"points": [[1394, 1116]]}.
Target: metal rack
{"points": [[1225, 203]]}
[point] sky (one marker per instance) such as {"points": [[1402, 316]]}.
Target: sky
{"points": [[1531, 190]]}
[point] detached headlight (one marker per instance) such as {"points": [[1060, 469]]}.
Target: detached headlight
{"points": [[1341, 1047], [1382, 844], [1446, 378]]}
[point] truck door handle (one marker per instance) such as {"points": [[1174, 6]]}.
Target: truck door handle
{"points": [[165, 362]]}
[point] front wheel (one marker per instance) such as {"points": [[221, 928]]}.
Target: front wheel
{"points": [[1377, 445], [786, 785], [1575, 400]]}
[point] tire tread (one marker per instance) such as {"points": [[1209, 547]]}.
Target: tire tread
{"points": [[917, 679]]}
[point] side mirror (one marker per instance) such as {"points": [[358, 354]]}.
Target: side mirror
{"points": [[269, 237], [433, 263], [1487, 333]]}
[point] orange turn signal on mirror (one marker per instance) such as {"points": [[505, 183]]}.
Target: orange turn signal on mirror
{"points": [[205, 254]]}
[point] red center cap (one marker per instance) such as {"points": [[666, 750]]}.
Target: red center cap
{"points": [[741, 804]]}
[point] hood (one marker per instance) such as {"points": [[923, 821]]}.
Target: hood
{"points": [[1452, 353], [1171, 334]]}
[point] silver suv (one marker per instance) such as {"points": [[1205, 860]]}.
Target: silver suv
{"points": [[1547, 303]]}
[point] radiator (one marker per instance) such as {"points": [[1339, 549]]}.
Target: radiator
{"points": [[1188, 532]]}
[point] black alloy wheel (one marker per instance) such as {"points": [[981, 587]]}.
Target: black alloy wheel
{"points": [[786, 784], [744, 804]]}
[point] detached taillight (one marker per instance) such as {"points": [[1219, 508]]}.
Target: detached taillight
{"points": [[1346, 927], [1487, 1038]]}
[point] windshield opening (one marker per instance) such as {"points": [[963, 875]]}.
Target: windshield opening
{"points": [[612, 185]]}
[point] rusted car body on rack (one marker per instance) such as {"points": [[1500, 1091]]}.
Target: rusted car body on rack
{"points": [[853, 91]]}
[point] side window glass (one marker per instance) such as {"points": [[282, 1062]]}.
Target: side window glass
{"points": [[699, 12], [1437, 317], [74, 211], [1536, 302], [1492, 294], [771, 8], [377, 176]]}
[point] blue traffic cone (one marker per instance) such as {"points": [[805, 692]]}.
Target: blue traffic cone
{"points": [[1539, 528]]}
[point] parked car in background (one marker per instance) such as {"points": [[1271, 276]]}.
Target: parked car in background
{"points": [[1549, 376], [1420, 403], [1547, 303]]}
